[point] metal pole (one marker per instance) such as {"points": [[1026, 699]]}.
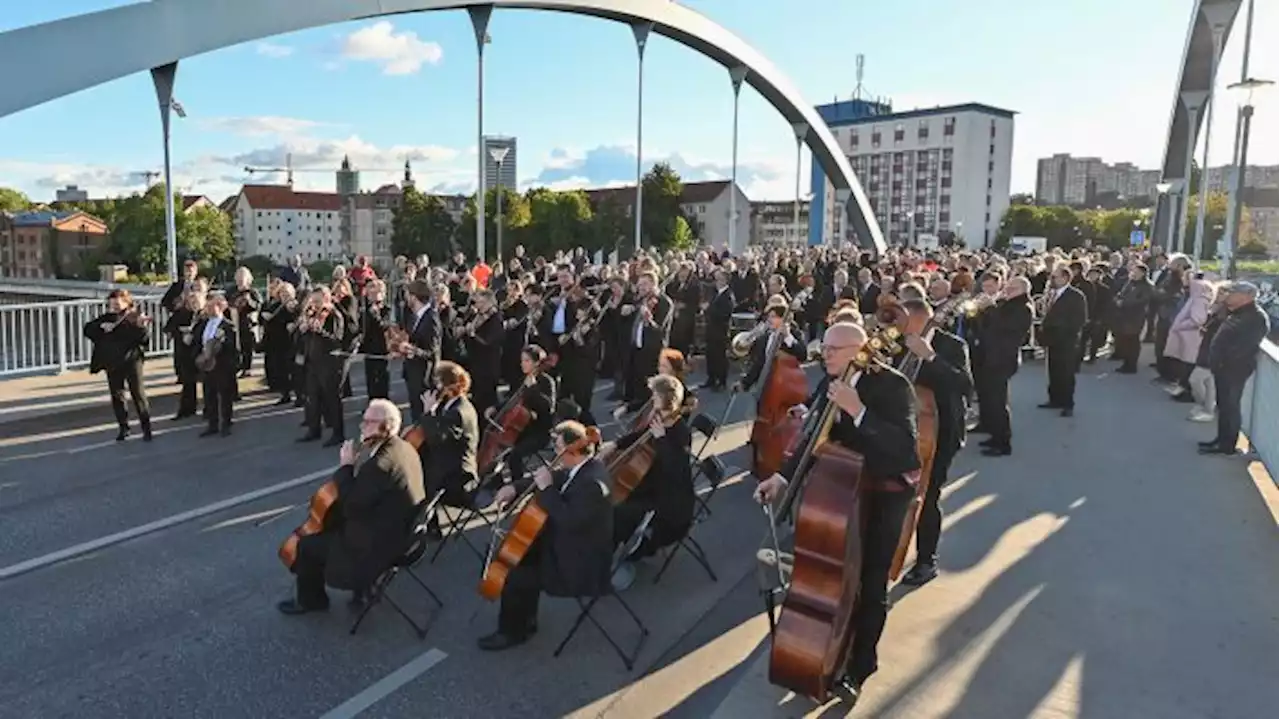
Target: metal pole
{"points": [[1202, 204], [500, 193], [1234, 240], [736, 75], [640, 31], [1193, 114], [842, 204], [480, 15], [163, 78], [1171, 206], [801, 129]]}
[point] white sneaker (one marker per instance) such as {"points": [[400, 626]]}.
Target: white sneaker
{"points": [[1198, 415], [1173, 389]]}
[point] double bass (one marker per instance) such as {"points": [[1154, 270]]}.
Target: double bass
{"points": [[526, 527], [782, 386]]}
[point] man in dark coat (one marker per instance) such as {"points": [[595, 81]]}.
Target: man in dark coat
{"points": [[370, 525], [1233, 356], [1128, 315], [422, 351], [999, 340], [216, 338], [1064, 320], [719, 318]]}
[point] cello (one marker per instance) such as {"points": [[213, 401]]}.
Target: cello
{"points": [[783, 385], [526, 527], [507, 424]]}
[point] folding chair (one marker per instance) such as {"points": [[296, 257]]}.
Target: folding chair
{"points": [[417, 548], [459, 517], [714, 470], [708, 428], [586, 604]]}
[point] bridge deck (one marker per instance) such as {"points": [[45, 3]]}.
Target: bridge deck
{"points": [[1105, 570]]}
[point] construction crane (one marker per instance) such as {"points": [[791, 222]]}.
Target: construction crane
{"points": [[147, 175], [289, 169]]}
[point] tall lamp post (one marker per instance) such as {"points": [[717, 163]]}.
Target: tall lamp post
{"points": [[1243, 90], [1171, 209], [480, 15], [163, 78], [499, 154]]}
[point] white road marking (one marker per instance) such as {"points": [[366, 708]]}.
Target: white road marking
{"points": [[94, 545], [386, 685]]}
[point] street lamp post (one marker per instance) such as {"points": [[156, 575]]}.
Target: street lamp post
{"points": [[499, 154], [802, 130], [480, 15], [737, 75], [1244, 91], [163, 78], [641, 32]]}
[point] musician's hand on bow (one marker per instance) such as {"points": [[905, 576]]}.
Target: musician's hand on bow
{"points": [[564, 338], [405, 349], [846, 398], [429, 399], [490, 412], [347, 453], [542, 477], [619, 412], [505, 495], [798, 411], [918, 347], [656, 428], [768, 490]]}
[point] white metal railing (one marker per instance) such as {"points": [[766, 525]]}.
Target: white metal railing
{"points": [[49, 336], [1259, 409]]}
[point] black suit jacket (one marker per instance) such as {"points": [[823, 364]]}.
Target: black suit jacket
{"points": [[540, 399], [376, 507], [1001, 332], [577, 541], [449, 452], [951, 379], [228, 357], [484, 350], [867, 300], [756, 357], [373, 329], [425, 335], [668, 486], [1064, 319], [719, 313], [121, 346]]}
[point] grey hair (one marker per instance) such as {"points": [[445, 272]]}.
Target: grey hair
{"points": [[391, 417]]}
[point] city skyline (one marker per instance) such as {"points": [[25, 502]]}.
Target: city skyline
{"points": [[402, 88]]}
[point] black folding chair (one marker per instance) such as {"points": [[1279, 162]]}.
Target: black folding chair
{"points": [[458, 517], [404, 565], [714, 470], [586, 604]]}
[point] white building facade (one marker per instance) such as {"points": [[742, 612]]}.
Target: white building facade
{"points": [[275, 221], [933, 171]]}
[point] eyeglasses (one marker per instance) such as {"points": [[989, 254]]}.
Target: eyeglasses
{"points": [[832, 349]]}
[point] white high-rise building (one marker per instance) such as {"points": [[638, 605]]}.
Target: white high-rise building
{"points": [[931, 171], [503, 173]]}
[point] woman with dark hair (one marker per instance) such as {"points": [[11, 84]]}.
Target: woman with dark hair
{"points": [[538, 395], [119, 337]]}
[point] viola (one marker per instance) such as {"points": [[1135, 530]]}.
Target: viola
{"points": [[525, 529]]}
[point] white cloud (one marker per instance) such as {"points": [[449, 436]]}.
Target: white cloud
{"points": [[399, 53], [270, 49], [259, 125]]}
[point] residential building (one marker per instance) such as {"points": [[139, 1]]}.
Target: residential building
{"points": [[71, 193], [192, 202], [705, 204], [775, 223], [930, 171], [1086, 181], [50, 244], [1263, 206], [278, 222], [496, 173], [1218, 179]]}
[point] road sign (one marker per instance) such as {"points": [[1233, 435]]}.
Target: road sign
{"points": [[1137, 238]]}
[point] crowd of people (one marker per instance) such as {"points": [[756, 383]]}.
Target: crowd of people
{"points": [[475, 342]]}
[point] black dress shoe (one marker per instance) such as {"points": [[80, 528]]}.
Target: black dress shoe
{"points": [[1048, 405], [209, 432], [989, 442], [284, 400], [997, 452], [1210, 443], [498, 641], [1229, 451], [308, 437], [294, 607], [334, 441], [146, 434], [226, 432], [1068, 411], [920, 574], [123, 434]]}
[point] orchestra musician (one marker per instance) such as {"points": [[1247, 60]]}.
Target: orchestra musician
{"points": [[667, 488], [719, 315], [452, 431], [370, 525], [1000, 333], [345, 302], [375, 320], [775, 334], [279, 316], [483, 337], [422, 350], [612, 326], [685, 293], [247, 303], [322, 331], [572, 555], [218, 341], [877, 419], [538, 395], [515, 313], [452, 319], [175, 300], [120, 337], [1060, 333], [648, 321], [670, 364]]}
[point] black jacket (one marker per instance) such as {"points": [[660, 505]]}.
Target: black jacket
{"points": [[374, 323], [1000, 335], [1130, 307], [951, 380], [1064, 320], [449, 452], [124, 345], [719, 313], [756, 356], [484, 350], [425, 335], [577, 541], [1234, 349], [668, 485], [228, 356], [376, 507]]}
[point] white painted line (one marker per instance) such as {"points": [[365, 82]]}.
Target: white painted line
{"points": [[94, 545], [384, 686]]}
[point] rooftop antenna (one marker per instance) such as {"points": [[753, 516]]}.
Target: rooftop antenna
{"points": [[860, 64]]}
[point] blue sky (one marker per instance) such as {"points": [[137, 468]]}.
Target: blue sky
{"points": [[1090, 77]]}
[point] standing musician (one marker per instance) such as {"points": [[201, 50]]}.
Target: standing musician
{"points": [[119, 338], [482, 337], [775, 334], [999, 343], [370, 524], [538, 395], [877, 419], [375, 320], [572, 555], [649, 320], [719, 315], [217, 358], [670, 364], [247, 303], [685, 293], [452, 319], [452, 433], [515, 313], [612, 326], [175, 300], [279, 316], [944, 369], [1060, 332], [322, 330], [422, 350], [667, 488], [345, 302]]}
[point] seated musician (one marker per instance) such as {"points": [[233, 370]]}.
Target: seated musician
{"points": [[370, 525], [877, 419], [452, 432], [667, 488], [671, 363], [538, 395], [763, 347], [572, 555]]}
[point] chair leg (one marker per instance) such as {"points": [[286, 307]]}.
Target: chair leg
{"points": [[457, 531], [372, 597], [434, 597], [671, 554], [420, 630], [584, 614], [692, 547]]}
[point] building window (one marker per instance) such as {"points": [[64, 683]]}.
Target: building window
{"points": [[922, 132], [875, 137], [898, 134], [993, 129], [853, 139], [949, 126]]}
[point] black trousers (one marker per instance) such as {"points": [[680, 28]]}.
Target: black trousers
{"points": [[1062, 362], [246, 350], [717, 356], [611, 359], [219, 395], [415, 383], [929, 528], [129, 375], [640, 365], [993, 402], [884, 512], [484, 394], [377, 379], [1162, 339], [518, 611], [298, 379], [577, 382], [308, 569], [1228, 391], [1128, 348], [323, 401], [524, 450], [1093, 339]]}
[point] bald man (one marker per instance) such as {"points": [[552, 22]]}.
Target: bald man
{"points": [[876, 417], [1000, 337]]}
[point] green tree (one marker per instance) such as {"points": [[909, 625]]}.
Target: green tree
{"points": [[611, 228], [204, 234], [259, 265], [12, 200], [681, 236], [515, 218], [422, 225], [558, 221], [1215, 222], [662, 188]]}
